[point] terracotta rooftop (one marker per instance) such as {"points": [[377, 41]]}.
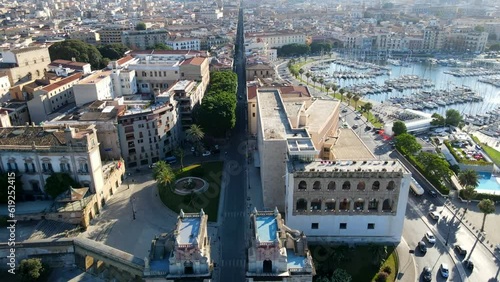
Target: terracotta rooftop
{"points": [[41, 136], [196, 61], [296, 91], [62, 82], [169, 52], [68, 64], [125, 60]]}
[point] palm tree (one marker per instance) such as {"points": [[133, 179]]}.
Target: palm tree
{"points": [[341, 91], [327, 87], [301, 71], [194, 133], [356, 99], [349, 96], [308, 74], [368, 107], [469, 179], [163, 173], [486, 206], [468, 194], [314, 79], [179, 152], [321, 81]]}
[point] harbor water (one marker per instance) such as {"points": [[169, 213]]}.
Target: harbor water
{"points": [[431, 72]]}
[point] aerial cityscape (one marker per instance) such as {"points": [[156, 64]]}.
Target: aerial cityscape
{"points": [[228, 141]]}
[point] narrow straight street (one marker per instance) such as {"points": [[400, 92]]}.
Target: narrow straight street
{"points": [[233, 227]]}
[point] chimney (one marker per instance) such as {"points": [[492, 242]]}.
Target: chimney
{"points": [[73, 59]]}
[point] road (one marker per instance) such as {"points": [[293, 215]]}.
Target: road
{"points": [[233, 229]]}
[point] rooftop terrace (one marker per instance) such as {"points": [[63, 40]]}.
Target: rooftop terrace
{"points": [[267, 228], [275, 123], [188, 228], [350, 147]]}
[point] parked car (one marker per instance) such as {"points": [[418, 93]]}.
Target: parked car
{"points": [[357, 117], [460, 250], [368, 128], [445, 270], [354, 126], [427, 274], [422, 247], [434, 215], [468, 264], [432, 193], [344, 110], [430, 237], [192, 149], [206, 153]]}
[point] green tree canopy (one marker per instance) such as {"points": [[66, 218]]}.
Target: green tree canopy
{"points": [[340, 275], [140, 26], [434, 164], [438, 120], [398, 128], [59, 182], [5, 182], [293, 50], [217, 113], [31, 269], [113, 51], [479, 28], [407, 143], [77, 49], [317, 47], [223, 81], [160, 46], [194, 133], [453, 117]]}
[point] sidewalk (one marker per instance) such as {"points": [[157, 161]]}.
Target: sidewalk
{"points": [[407, 271]]}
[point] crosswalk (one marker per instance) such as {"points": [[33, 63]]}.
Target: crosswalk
{"points": [[236, 263], [235, 214]]}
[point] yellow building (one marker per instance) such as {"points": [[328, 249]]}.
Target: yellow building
{"points": [[24, 64]]}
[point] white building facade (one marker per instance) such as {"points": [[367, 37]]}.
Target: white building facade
{"points": [[348, 201]]}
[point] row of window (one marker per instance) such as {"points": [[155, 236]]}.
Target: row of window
{"points": [[343, 226], [344, 205], [156, 74], [30, 167], [332, 185]]}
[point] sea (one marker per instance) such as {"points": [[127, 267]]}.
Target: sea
{"points": [[441, 80]]}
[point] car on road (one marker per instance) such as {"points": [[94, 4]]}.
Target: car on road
{"points": [[430, 237], [434, 215], [445, 270], [357, 117], [460, 250], [468, 264], [344, 110], [192, 149], [206, 153], [355, 126], [432, 193], [368, 128], [422, 247], [427, 274]]}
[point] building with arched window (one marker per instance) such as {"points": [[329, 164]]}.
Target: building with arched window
{"points": [[347, 201], [335, 188], [35, 153]]}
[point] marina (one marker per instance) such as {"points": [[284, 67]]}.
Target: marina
{"points": [[429, 86]]}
